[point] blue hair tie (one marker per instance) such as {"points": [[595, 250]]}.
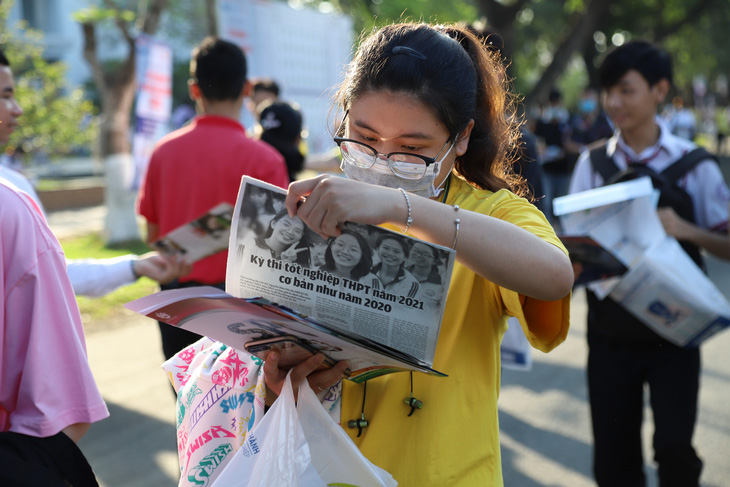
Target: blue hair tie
{"points": [[408, 52]]}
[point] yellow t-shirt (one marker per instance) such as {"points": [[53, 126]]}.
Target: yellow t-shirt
{"points": [[454, 439]]}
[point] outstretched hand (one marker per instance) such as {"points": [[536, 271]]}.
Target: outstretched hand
{"points": [[318, 381], [325, 202], [161, 268]]}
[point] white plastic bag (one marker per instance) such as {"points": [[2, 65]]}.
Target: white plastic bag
{"points": [[515, 350], [335, 456], [300, 447]]}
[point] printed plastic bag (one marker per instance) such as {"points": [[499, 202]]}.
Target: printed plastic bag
{"points": [[220, 398], [300, 446]]}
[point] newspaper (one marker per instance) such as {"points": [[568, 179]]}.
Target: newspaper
{"points": [[663, 287], [205, 236], [596, 263], [371, 296], [211, 312], [283, 261]]}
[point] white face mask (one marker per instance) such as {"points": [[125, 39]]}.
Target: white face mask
{"points": [[381, 175]]}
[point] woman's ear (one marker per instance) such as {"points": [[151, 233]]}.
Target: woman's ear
{"points": [[462, 139]]}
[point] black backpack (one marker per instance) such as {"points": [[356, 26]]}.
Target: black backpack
{"points": [[670, 193]]}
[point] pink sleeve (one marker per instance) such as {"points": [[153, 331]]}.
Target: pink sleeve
{"points": [[46, 383]]}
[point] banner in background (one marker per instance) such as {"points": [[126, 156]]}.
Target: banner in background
{"points": [[305, 51], [154, 100]]}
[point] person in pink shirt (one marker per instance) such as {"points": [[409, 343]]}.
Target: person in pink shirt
{"points": [[48, 396]]}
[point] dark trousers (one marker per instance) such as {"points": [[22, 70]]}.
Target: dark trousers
{"points": [[617, 373], [175, 339], [55, 461]]}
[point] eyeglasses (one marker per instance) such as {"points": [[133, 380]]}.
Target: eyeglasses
{"points": [[424, 254], [405, 165]]}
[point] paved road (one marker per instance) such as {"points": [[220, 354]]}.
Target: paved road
{"points": [[545, 429], [544, 414]]}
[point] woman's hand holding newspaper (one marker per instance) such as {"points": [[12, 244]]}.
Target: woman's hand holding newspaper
{"points": [[318, 381]]}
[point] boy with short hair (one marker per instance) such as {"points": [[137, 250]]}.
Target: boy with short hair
{"points": [[201, 165], [624, 354], [263, 90]]}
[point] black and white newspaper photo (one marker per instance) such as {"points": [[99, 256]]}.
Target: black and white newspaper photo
{"points": [[200, 238], [380, 284]]}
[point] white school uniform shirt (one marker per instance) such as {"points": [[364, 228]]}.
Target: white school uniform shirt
{"points": [[89, 277], [704, 183]]}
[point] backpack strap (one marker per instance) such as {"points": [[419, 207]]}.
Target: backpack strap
{"points": [[686, 163], [602, 164]]}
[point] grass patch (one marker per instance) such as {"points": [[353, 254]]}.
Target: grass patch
{"points": [[112, 305], [70, 183]]}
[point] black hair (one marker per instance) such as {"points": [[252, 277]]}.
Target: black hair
{"points": [[266, 84], [270, 230], [3, 59], [651, 61], [219, 69], [366, 259], [257, 191], [390, 236], [303, 241], [450, 71], [281, 124], [433, 250], [250, 212], [492, 40], [281, 119], [555, 95]]}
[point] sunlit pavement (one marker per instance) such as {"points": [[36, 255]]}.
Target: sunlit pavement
{"points": [[544, 413]]}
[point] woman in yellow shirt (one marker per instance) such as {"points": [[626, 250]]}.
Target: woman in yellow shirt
{"points": [[426, 147]]}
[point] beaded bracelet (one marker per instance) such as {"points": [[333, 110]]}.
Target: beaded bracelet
{"points": [[409, 219]]}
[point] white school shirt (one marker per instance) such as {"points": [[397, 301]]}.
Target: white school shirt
{"points": [[89, 277], [704, 183]]}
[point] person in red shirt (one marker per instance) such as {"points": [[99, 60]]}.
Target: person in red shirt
{"points": [[200, 165]]}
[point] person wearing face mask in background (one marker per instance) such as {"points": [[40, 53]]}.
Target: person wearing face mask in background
{"points": [[589, 127], [552, 129]]}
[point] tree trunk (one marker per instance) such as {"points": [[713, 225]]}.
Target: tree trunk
{"points": [[580, 34], [117, 102], [501, 19], [117, 91], [212, 17], [589, 59]]}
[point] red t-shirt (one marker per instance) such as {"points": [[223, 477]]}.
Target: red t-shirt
{"points": [[195, 168]]}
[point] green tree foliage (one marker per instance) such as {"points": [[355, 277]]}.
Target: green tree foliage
{"points": [[693, 31], [367, 14], [57, 121]]}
